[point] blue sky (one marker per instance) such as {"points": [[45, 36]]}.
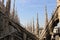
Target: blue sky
{"points": [[27, 9]]}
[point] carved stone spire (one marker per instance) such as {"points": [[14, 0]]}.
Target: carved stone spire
{"points": [[46, 16], [33, 26], [16, 17], [13, 12], [8, 6], [37, 26]]}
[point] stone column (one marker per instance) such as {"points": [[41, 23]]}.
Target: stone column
{"points": [[24, 36]]}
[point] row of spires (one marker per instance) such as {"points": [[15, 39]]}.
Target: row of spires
{"points": [[8, 6], [12, 15], [32, 27]]}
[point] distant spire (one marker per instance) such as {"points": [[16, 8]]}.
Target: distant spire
{"points": [[33, 26], [37, 26], [29, 27], [8, 6], [46, 15], [16, 17], [13, 12]]}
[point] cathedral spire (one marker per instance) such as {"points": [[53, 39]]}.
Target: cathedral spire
{"points": [[13, 12], [37, 26], [8, 6], [33, 25], [16, 17], [46, 16]]}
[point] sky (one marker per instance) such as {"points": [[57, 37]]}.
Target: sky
{"points": [[28, 9]]}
